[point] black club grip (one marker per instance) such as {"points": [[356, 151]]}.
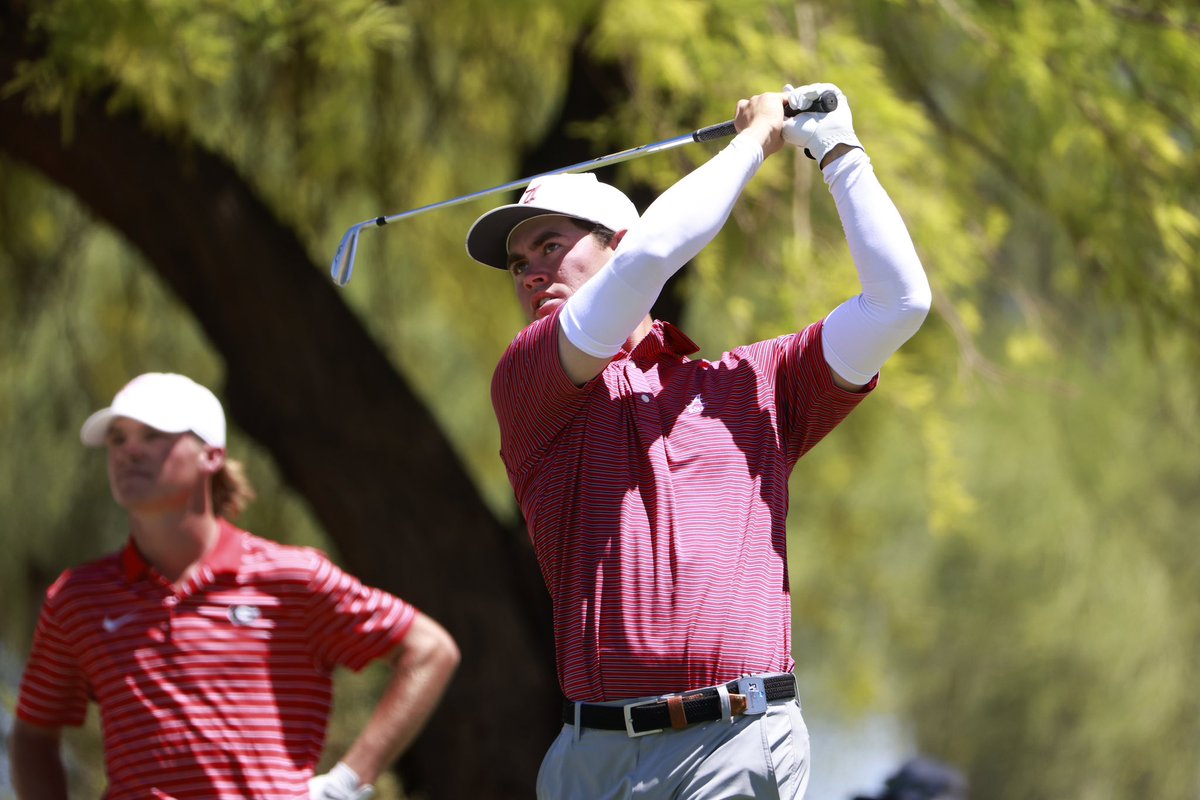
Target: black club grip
{"points": [[825, 103]]}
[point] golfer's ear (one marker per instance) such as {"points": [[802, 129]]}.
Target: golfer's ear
{"points": [[212, 459], [617, 237]]}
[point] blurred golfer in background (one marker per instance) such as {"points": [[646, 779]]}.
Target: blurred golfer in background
{"points": [[209, 650]]}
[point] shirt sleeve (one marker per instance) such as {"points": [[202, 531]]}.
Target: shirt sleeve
{"points": [[351, 624], [532, 396], [809, 403], [54, 692]]}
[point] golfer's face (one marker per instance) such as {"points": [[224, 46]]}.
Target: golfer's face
{"points": [[549, 258], [149, 470]]}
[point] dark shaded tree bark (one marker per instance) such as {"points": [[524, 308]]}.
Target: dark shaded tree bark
{"points": [[307, 382]]}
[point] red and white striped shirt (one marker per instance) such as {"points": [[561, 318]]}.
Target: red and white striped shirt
{"points": [[657, 497], [219, 688]]}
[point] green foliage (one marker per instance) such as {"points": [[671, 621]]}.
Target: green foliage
{"points": [[994, 547], [1053, 626]]}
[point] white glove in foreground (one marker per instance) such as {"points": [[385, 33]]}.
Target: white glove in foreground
{"points": [[817, 132], [340, 783]]}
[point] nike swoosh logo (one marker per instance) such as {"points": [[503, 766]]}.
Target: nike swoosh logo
{"points": [[112, 623]]}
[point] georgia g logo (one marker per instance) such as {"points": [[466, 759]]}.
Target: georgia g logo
{"points": [[244, 615]]}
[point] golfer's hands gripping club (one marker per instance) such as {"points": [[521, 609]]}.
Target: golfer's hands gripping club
{"points": [[820, 131], [762, 117], [825, 101], [340, 783]]}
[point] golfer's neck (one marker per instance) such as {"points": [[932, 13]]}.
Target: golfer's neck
{"points": [[639, 333], [174, 543]]}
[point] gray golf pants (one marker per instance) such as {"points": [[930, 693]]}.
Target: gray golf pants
{"points": [[763, 756]]}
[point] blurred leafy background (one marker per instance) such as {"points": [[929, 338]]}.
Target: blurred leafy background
{"points": [[996, 551]]}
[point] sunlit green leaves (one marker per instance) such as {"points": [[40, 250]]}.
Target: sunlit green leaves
{"points": [[997, 544]]}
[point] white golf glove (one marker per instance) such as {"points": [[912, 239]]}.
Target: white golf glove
{"points": [[340, 783], [817, 132]]}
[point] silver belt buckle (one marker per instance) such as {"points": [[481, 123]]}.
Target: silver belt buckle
{"points": [[629, 731], [755, 691]]}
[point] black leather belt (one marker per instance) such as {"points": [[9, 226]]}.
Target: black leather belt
{"points": [[748, 695]]}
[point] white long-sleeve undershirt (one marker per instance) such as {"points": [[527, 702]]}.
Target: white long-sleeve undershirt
{"points": [[858, 336], [602, 314], [861, 333]]}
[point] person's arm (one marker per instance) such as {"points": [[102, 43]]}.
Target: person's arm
{"points": [[599, 318], [422, 666], [862, 333], [36, 760]]}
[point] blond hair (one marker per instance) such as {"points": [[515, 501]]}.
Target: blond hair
{"points": [[231, 490]]}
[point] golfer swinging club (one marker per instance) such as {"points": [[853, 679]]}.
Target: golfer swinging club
{"points": [[654, 486]]}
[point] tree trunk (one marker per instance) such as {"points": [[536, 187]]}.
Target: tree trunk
{"points": [[308, 383]]}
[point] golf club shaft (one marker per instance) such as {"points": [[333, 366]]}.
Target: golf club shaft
{"points": [[343, 260]]}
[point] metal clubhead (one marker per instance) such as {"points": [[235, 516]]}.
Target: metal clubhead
{"points": [[343, 260]]}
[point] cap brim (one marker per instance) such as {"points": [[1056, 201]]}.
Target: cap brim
{"points": [[487, 241], [95, 427]]}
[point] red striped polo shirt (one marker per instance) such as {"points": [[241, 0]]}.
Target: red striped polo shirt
{"points": [[220, 688], [656, 497]]}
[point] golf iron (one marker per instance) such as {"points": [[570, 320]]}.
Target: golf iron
{"points": [[343, 260]]}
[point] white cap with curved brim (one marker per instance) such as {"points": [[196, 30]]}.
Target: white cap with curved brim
{"points": [[165, 401], [578, 195]]}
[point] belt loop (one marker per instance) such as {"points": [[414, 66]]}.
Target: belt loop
{"points": [[578, 706], [726, 711]]}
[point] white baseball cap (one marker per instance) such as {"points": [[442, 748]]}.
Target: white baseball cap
{"points": [[164, 401], [578, 195]]}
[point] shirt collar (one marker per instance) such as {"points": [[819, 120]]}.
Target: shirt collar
{"points": [[664, 338], [226, 557]]}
